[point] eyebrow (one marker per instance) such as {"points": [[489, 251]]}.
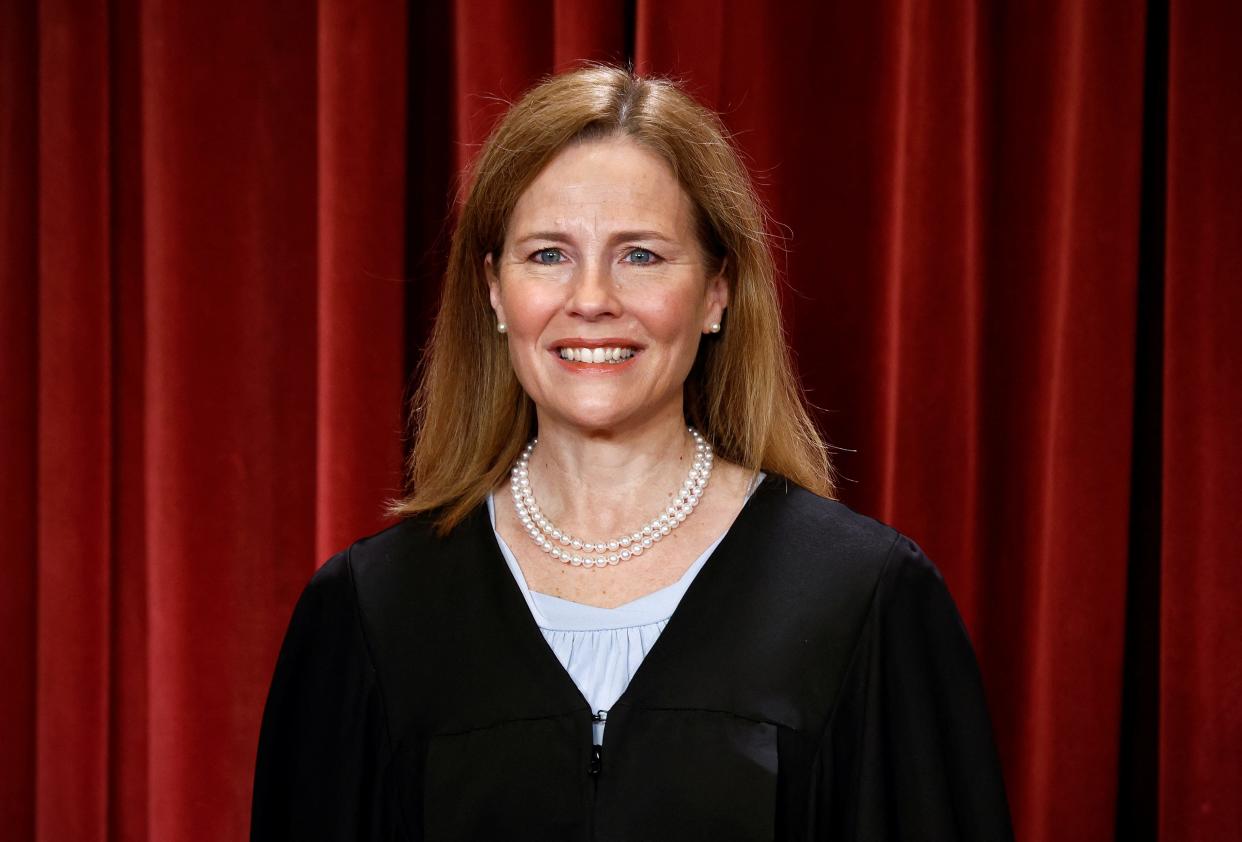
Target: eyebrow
{"points": [[560, 236]]}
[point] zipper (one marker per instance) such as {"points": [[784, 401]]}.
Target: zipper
{"points": [[597, 751]]}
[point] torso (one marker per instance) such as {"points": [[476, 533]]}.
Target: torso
{"points": [[657, 568], [764, 680]]}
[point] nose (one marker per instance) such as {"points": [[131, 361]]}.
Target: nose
{"points": [[593, 293]]}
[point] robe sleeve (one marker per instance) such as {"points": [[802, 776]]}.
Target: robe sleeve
{"points": [[322, 772], [908, 752]]}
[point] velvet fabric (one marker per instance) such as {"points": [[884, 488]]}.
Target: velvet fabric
{"points": [[1010, 256]]}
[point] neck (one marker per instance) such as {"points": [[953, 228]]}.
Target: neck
{"points": [[607, 481]]}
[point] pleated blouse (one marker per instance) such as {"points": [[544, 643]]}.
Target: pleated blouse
{"points": [[602, 648]]}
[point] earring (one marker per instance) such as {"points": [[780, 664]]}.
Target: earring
{"points": [[715, 328], [502, 327]]}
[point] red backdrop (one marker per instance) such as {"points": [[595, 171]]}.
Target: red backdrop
{"points": [[1012, 247]]}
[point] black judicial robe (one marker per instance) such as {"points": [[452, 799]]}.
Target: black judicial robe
{"points": [[814, 683]]}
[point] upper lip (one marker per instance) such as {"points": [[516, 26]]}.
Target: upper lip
{"points": [[607, 342]]}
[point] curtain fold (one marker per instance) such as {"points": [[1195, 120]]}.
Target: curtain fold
{"points": [[221, 231], [129, 789], [74, 454], [1200, 711], [361, 103], [19, 437], [229, 102]]}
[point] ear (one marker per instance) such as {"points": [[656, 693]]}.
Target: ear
{"points": [[717, 299], [493, 286]]}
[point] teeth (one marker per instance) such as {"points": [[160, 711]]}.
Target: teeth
{"points": [[597, 355]]}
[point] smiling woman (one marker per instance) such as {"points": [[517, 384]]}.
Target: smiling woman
{"points": [[621, 603]]}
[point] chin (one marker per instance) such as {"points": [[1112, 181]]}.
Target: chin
{"points": [[602, 407], [598, 422], [602, 418]]}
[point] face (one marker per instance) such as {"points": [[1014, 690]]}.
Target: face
{"points": [[603, 287]]}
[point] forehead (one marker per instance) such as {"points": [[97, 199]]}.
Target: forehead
{"points": [[612, 182]]}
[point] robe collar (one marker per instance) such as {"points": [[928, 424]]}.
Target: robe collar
{"points": [[691, 627]]}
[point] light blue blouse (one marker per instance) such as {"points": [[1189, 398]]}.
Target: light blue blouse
{"points": [[602, 648]]}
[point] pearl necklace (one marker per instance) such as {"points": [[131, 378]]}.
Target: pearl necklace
{"points": [[590, 554]]}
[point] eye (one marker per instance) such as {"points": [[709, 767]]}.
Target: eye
{"points": [[641, 257], [548, 256]]}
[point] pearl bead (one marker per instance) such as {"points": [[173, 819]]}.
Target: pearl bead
{"points": [[546, 535]]}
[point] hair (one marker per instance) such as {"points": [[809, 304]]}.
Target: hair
{"points": [[470, 417]]}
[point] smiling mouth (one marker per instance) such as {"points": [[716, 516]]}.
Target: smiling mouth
{"points": [[597, 356]]}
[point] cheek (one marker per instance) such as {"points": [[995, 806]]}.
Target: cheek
{"points": [[672, 316], [529, 312]]}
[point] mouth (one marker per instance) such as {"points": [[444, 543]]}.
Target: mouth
{"points": [[581, 354]]}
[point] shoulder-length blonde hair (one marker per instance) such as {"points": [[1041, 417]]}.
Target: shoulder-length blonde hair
{"points": [[470, 416]]}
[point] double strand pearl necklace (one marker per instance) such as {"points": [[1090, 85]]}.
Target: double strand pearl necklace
{"points": [[591, 554]]}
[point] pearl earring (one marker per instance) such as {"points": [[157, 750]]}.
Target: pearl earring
{"points": [[502, 327], [715, 328]]}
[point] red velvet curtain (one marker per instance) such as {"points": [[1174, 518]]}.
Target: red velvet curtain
{"points": [[1012, 251]]}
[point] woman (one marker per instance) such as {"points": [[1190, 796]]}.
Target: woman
{"points": [[621, 603]]}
